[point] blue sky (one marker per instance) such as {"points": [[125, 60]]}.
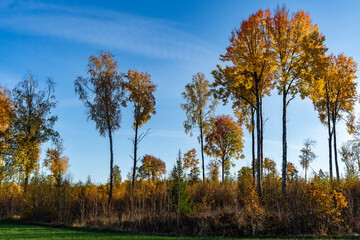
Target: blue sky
{"points": [[172, 40]]}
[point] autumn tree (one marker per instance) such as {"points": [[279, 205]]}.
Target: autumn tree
{"points": [[334, 96], [307, 155], [224, 141], [33, 123], [243, 102], [269, 166], [141, 95], [214, 170], [252, 57], [191, 162], [199, 107], [296, 44], [6, 116], [151, 168], [102, 93], [56, 163], [291, 171]]}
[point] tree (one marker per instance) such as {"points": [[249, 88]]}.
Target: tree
{"points": [[244, 105], [307, 155], [179, 197], [6, 117], [191, 162], [199, 107], [117, 176], [151, 168], [296, 43], [250, 51], [214, 170], [224, 141], [269, 166], [57, 164], [291, 171], [102, 93], [141, 95], [334, 96], [33, 122]]}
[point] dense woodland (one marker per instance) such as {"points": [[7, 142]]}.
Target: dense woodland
{"points": [[271, 52]]}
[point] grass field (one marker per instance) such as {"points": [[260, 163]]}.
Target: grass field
{"points": [[12, 231]]}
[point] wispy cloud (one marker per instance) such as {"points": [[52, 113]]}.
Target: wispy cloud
{"points": [[142, 35]]}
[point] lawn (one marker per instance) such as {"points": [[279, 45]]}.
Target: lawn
{"points": [[12, 231]]}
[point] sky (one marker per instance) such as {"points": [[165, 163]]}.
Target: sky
{"points": [[172, 41]]}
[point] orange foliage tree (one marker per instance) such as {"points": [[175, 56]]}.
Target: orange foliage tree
{"points": [[6, 114], [224, 141], [191, 162], [151, 168], [252, 57], [57, 164], [297, 45]]}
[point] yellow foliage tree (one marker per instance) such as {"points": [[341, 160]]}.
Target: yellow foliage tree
{"points": [[199, 107], [334, 96], [191, 162], [297, 45], [250, 51], [151, 167], [57, 164], [141, 94]]}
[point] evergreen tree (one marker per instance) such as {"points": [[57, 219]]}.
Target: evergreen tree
{"points": [[180, 199]]}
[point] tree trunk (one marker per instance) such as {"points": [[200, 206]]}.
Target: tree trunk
{"points": [[258, 136], [262, 142], [202, 152], [253, 144], [111, 167], [284, 146], [335, 150], [135, 157], [26, 181], [330, 138], [222, 169]]}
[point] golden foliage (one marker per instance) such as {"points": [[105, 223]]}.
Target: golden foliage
{"points": [[141, 94]]}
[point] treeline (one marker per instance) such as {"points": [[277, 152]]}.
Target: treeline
{"points": [[269, 52]]}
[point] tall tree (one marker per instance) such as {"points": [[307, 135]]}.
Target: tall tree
{"points": [[334, 97], [296, 43], [250, 51], [244, 105], [102, 93], [224, 141], [199, 107], [33, 122], [307, 155], [141, 94]]}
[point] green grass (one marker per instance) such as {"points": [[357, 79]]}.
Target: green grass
{"points": [[13, 231]]}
